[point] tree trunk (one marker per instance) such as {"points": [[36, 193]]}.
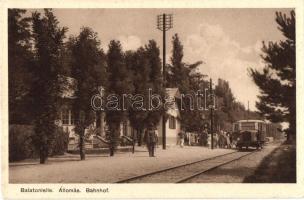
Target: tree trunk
{"points": [[291, 132], [288, 136], [111, 150], [114, 137], [42, 156], [82, 146], [139, 137], [133, 141], [98, 119], [43, 153]]}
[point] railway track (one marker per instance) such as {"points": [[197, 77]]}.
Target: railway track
{"points": [[185, 172]]}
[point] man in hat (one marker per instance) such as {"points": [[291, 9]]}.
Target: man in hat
{"points": [[150, 139]]}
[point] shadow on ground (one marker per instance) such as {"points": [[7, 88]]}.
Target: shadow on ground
{"points": [[278, 167]]}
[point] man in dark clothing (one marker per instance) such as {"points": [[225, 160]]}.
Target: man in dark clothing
{"points": [[205, 137], [258, 135], [150, 139]]}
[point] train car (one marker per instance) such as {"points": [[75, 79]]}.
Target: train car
{"points": [[251, 133]]}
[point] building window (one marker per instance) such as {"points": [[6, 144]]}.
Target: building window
{"points": [[65, 118], [172, 122]]}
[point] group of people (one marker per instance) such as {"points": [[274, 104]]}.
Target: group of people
{"points": [[221, 139], [197, 139]]}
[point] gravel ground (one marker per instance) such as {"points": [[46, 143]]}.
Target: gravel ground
{"points": [[104, 169], [236, 171], [180, 173]]}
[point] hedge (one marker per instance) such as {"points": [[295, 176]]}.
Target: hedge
{"points": [[21, 145]]}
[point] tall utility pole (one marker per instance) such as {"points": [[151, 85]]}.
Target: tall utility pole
{"points": [[211, 113], [164, 23]]}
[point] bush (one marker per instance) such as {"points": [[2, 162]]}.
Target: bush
{"points": [[20, 142], [60, 143]]}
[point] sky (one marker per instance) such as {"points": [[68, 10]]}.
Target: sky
{"points": [[228, 41]]}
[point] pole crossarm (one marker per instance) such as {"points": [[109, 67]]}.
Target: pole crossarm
{"points": [[164, 22]]}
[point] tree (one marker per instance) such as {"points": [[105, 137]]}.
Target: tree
{"points": [[137, 64], [156, 81], [277, 81], [188, 80], [119, 83], [223, 90], [178, 73], [229, 109], [20, 61], [88, 69], [48, 45]]}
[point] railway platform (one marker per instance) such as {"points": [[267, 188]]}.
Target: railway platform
{"points": [[105, 169]]}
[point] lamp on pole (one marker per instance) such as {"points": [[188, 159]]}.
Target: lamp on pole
{"points": [[164, 23]]}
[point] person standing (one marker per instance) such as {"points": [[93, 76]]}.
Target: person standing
{"points": [[181, 136], [216, 140], [150, 139], [178, 141], [228, 137], [258, 135], [200, 139], [156, 136], [205, 137]]}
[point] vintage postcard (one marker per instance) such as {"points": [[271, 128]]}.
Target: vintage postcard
{"points": [[151, 99]]}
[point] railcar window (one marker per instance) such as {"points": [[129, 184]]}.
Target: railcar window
{"points": [[248, 126], [236, 127]]}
